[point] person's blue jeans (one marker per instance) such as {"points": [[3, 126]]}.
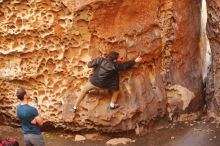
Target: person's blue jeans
{"points": [[33, 140]]}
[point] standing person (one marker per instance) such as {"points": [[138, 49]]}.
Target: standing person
{"points": [[30, 120], [105, 76]]}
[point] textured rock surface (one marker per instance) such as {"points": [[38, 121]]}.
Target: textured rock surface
{"points": [[204, 42], [44, 46], [213, 85]]}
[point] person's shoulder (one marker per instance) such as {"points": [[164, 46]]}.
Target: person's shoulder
{"points": [[100, 58], [30, 107], [18, 107], [26, 106], [21, 107]]}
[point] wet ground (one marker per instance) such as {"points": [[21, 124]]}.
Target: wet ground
{"points": [[195, 133]]}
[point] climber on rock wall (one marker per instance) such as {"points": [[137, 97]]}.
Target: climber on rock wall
{"points": [[105, 76], [30, 120]]}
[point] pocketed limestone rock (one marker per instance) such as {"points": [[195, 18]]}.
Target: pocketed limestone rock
{"points": [[45, 47]]}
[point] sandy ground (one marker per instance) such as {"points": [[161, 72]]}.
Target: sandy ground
{"points": [[195, 133]]}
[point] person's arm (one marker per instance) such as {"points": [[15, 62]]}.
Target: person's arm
{"points": [[128, 64], [38, 121], [124, 66], [94, 62]]}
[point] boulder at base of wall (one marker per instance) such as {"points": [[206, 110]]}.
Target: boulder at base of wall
{"points": [[117, 141]]}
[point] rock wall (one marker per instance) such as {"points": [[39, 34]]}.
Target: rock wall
{"points": [[204, 42], [45, 45], [212, 87]]}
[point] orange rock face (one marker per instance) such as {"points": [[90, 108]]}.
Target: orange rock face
{"points": [[212, 87], [45, 46]]}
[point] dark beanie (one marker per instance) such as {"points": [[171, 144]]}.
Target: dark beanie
{"points": [[113, 55]]}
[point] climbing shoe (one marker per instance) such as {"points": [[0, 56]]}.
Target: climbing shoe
{"points": [[114, 106], [74, 109]]}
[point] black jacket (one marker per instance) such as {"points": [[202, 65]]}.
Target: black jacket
{"points": [[112, 81]]}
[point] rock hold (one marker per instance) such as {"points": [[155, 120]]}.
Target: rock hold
{"points": [[79, 138], [117, 141]]}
